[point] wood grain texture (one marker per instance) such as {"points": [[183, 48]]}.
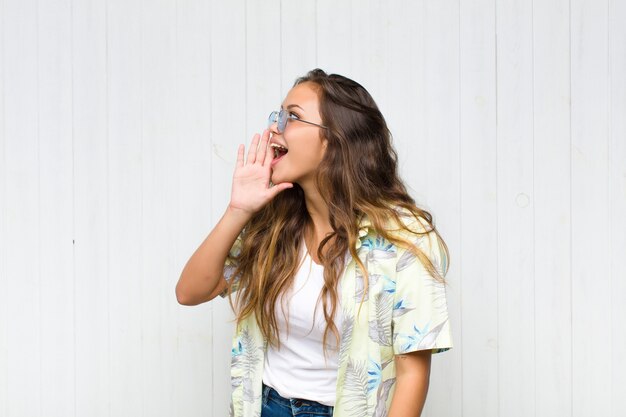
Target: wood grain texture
{"points": [[552, 232]]}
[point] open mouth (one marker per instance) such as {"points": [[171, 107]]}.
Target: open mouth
{"points": [[279, 150]]}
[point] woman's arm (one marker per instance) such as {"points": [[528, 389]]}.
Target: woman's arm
{"points": [[202, 278], [202, 275], [412, 378]]}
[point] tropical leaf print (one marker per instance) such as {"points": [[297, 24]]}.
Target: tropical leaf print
{"points": [[360, 285], [405, 260], [438, 296], [245, 357], [377, 254], [379, 248], [355, 388], [436, 255], [238, 349], [229, 270], [374, 373], [235, 381], [389, 285], [407, 341], [419, 339], [401, 307], [248, 390], [382, 396], [247, 354], [380, 327], [428, 340], [347, 325]]}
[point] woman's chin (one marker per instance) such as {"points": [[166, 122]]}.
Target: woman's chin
{"points": [[279, 175], [276, 179]]}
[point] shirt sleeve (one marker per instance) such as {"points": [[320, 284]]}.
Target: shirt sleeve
{"points": [[230, 265], [420, 312]]}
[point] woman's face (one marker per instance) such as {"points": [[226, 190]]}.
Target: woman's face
{"points": [[304, 143]]}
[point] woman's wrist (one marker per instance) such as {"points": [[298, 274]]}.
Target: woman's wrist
{"points": [[240, 216]]}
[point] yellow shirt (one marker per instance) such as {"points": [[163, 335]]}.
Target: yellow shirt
{"points": [[405, 310]]}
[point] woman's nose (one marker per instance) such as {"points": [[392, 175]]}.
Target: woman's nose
{"points": [[273, 127], [272, 123]]}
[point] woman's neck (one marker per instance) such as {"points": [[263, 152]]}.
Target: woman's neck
{"points": [[320, 226], [318, 211]]}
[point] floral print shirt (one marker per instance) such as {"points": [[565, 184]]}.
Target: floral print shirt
{"points": [[405, 310]]}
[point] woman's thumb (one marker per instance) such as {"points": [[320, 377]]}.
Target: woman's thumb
{"points": [[280, 187]]}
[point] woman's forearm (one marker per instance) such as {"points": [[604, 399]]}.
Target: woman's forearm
{"points": [[203, 271], [412, 380]]}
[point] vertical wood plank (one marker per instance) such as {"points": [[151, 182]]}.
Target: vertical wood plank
{"points": [[515, 203], [298, 43], [4, 282], [552, 204], [124, 126], [407, 84], [617, 202], [193, 385], [159, 183], [333, 36], [263, 58], [437, 183], [23, 253], [590, 210], [228, 130], [479, 279], [368, 40], [91, 202], [401, 108], [56, 208]]}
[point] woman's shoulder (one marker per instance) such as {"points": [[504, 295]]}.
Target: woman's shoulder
{"points": [[400, 224], [406, 222], [423, 233]]}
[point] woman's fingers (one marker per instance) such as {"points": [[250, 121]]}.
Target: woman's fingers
{"points": [[252, 151], [269, 153], [258, 151], [240, 155], [262, 152]]}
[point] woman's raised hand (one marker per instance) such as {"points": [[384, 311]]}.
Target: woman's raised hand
{"points": [[251, 190]]}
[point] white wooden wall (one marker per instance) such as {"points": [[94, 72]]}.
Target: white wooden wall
{"points": [[119, 124]]}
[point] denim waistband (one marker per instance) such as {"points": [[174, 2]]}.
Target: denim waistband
{"points": [[298, 405]]}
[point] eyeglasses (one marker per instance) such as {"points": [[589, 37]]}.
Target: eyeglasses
{"points": [[283, 116]]}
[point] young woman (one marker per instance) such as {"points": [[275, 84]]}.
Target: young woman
{"points": [[338, 276]]}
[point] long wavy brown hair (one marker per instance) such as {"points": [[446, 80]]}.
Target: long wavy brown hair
{"points": [[357, 177]]}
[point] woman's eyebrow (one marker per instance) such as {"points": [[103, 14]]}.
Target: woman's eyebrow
{"points": [[292, 105]]}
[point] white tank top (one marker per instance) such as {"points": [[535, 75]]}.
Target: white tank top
{"points": [[297, 369]]}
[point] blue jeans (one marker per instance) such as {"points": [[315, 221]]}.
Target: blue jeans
{"points": [[276, 406]]}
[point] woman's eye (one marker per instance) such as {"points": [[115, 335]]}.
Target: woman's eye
{"points": [[293, 115]]}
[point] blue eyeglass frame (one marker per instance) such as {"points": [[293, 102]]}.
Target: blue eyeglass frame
{"points": [[283, 117]]}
